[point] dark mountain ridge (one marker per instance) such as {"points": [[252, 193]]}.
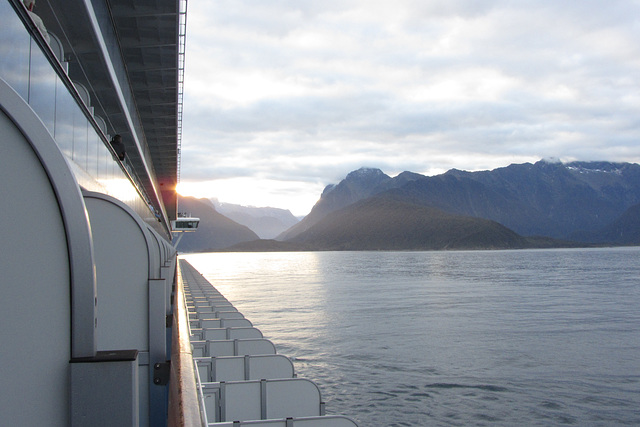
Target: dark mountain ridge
{"points": [[559, 199], [545, 204], [357, 185], [548, 198], [388, 222]]}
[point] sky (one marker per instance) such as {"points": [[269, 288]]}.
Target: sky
{"points": [[283, 97]]}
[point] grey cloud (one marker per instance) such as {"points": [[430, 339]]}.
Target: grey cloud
{"points": [[526, 79]]}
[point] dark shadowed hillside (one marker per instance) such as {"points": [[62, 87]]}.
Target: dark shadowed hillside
{"points": [[215, 231], [547, 198], [588, 202], [358, 185], [623, 231], [387, 223]]}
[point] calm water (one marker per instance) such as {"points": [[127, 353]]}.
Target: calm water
{"points": [[541, 337]]}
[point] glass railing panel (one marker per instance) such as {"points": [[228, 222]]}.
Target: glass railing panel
{"points": [[92, 153], [42, 87], [103, 160], [26, 68], [79, 153], [14, 51], [64, 123]]}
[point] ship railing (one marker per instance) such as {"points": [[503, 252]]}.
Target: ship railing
{"points": [[243, 368], [239, 375], [184, 388], [261, 399], [323, 421], [218, 323]]}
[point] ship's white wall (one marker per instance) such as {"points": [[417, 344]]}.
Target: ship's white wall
{"points": [[122, 264], [131, 295], [35, 336]]}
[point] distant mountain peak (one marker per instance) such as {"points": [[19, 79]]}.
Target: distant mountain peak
{"points": [[357, 185], [327, 189], [365, 173]]}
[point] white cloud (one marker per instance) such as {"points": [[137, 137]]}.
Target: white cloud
{"points": [[302, 92]]}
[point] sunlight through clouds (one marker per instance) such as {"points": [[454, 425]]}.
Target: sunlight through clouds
{"points": [[296, 196]]}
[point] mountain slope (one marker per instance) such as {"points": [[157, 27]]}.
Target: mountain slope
{"points": [[464, 196], [385, 222], [357, 185], [549, 198], [623, 231], [215, 230]]}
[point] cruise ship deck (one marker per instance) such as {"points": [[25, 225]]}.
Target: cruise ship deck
{"points": [[103, 325]]}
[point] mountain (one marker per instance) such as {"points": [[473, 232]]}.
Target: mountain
{"points": [[387, 222], [215, 231], [548, 198], [266, 222], [358, 185], [623, 231], [589, 202]]}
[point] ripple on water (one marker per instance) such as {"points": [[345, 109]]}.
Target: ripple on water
{"points": [[485, 387], [452, 339]]}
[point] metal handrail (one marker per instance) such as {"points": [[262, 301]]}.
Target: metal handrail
{"points": [[184, 404]]}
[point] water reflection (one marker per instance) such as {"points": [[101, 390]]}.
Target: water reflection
{"points": [[42, 87], [121, 189], [462, 338], [14, 51], [292, 307]]}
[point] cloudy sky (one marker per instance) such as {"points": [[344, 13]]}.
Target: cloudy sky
{"points": [[283, 97]]}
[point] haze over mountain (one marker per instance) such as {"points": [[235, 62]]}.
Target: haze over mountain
{"points": [[266, 222], [215, 231]]}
